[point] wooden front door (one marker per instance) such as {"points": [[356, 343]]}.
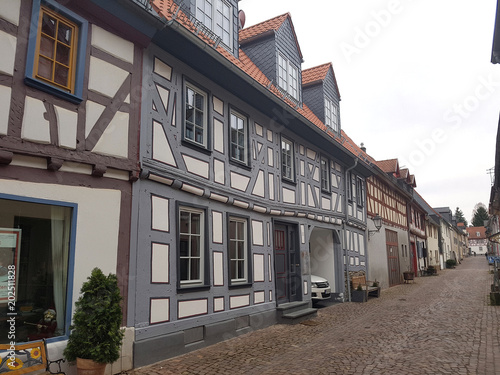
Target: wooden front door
{"points": [[414, 258], [287, 264], [391, 239]]}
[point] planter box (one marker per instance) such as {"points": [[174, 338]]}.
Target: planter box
{"points": [[358, 296], [408, 275]]}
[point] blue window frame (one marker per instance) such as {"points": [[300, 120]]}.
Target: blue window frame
{"points": [[38, 242], [70, 33]]}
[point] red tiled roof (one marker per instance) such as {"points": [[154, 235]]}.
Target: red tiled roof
{"points": [[473, 232], [389, 166], [273, 24], [261, 28], [316, 74]]}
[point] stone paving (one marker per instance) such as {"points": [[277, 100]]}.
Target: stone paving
{"points": [[437, 325]]}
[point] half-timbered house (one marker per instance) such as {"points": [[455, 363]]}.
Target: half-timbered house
{"points": [[242, 189], [388, 196], [70, 78]]}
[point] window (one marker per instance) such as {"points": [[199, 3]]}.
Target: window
{"points": [[239, 138], [56, 57], [360, 191], [325, 174], [331, 115], [191, 246], [287, 167], [288, 76], [238, 250], [217, 18], [195, 122], [35, 242]]}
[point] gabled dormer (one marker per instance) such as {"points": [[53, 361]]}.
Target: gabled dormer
{"points": [[273, 47], [321, 94]]}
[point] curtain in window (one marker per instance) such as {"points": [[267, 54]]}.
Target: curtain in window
{"points": [[60, 229]]}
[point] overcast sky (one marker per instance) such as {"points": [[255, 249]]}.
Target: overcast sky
{"points": [[415, 80]]}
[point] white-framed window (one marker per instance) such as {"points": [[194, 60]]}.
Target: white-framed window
{"points": [[288, 76], [325, 174], [287, 165], [238, 137], [191, 246], [238, 250], [196, 115], [331, 115], [217, 16]]}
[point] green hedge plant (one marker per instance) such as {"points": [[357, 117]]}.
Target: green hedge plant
{"points": [[95, 332]]}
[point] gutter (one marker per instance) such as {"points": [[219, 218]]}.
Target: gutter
{"points": [[344, 228]]}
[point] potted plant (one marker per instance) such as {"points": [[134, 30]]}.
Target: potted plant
{"points": [[451, 263], [96, 337], [358, 295], [409, 275]]}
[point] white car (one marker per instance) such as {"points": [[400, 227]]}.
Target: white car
{"points": [[320, 288]]}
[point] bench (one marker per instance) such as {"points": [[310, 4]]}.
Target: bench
{"points": [[366, 285], [27, 358]]}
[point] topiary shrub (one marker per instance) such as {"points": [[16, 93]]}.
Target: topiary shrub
{"points": [[451, 263], [95, 332]]}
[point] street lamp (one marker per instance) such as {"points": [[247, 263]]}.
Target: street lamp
{"points": [[377, 221]]}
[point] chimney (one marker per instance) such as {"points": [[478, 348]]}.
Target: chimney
{"points": [[363, 148]]}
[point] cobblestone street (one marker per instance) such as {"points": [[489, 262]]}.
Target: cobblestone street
{"points": [[438, 325]]}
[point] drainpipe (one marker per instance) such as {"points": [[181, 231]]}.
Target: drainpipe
{"points": [[346, 251]]}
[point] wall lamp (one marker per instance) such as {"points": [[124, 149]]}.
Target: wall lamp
{"points": [[377, 221]]}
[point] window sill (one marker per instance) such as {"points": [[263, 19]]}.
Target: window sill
{"points": [[196, 146], [194, 288], [42, 86], [288, 181], [240, 164], [240, 286]]}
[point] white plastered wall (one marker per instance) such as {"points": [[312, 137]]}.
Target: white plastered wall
{"points": [[96, 231]]}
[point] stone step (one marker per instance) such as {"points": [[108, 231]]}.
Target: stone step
{"points": [[298, 316]]}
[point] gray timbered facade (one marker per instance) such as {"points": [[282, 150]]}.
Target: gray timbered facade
{"points": [[242, 193]]}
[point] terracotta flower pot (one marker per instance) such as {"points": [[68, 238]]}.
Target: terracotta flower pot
{"points": [[89, 367]]}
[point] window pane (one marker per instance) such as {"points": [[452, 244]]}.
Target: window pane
{"points": [[49, 25], [184, 246], [195, 246], [47, 46], [233, 269], [45, 68], [184, 222], [35, 239], [241, 250], [61, 75], [64, 33], [63, 54], [195, 269]]}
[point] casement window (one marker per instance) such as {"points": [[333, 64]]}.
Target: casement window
{"points": [[238, 137], [360, 192], [325, 174], [56, 56], [288, 76], [217, 16], [349, 191], [287, 165], [331, 115], [36, 257], [196, 116], [238, 250], [192, 255]]}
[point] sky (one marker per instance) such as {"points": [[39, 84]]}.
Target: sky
{"points": [[416, 84]]}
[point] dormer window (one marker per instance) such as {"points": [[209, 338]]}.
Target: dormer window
{"points": [[331, 115], [216, 15], [288, 77]]}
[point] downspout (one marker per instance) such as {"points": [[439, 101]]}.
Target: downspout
{"points": [[346, 253]]}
